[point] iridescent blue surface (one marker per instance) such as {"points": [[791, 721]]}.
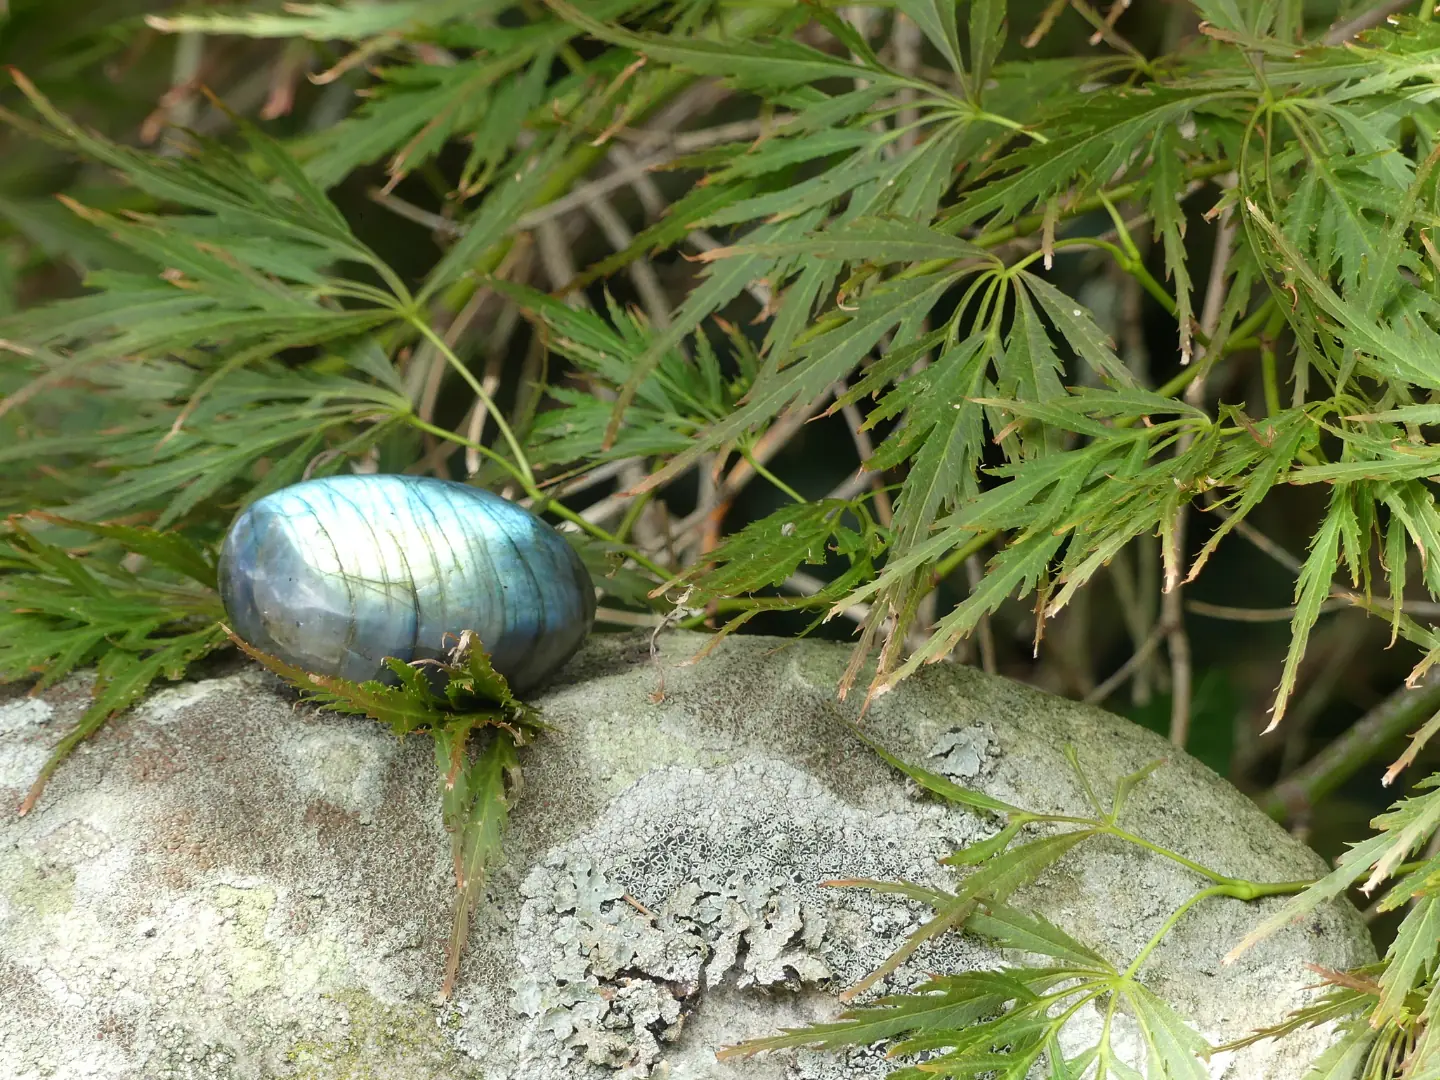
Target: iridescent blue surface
{"points": [[335, 573]]}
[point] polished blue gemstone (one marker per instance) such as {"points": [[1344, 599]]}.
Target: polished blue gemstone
{"points": [[334, 574]]}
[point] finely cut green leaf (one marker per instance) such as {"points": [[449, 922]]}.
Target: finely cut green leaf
{"points": [[1311, 591], [979, 852], [1175, 1049], [996, 881], [872, 239], [987, 37], [1410, 958], [949, 1003], [406, 708], [936, 18], [826, 358], [766, 552], [1011, 928], [476, 804], [352, 21], [168, 549], [1345, 1057], [1079, 329], [1167, 188]]}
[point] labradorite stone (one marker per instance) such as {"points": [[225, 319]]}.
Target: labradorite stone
{"points": [[336, 573]]}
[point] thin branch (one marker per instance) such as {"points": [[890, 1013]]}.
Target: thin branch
{"points": [[637, 168], [617, 617], [851, 487], [480, 410], [622, 158], [555, 256], [1172, 611], [1343, 600], [974, 573], [586, 480], [1157, 634], [1397, 715], [430, 392], [610, 506], [686, 142], [1366, 20], [1341, 596], [1135, 613], [1256, 615], [656, 205], [1330, 654], [429, 365], [597, 513], [1264, 543], [766, 447], [1137, 581], [701, 99], [865, 450], [642, 273], [907, 41], [583, 195], [177, 106], [436, 223], [1105, 30]]}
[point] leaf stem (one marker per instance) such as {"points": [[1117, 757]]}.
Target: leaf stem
{"points": [[1231, 887], [1239, 888], [768, 475], [1005, 122], [1168, 925], [1173, 856], [485, 451], [948, 565], [524, 475], [542, 500]]}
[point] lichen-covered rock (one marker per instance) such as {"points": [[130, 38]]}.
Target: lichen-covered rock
{"points": [[223, 886]]}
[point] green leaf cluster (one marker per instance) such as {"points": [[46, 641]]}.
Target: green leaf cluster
{"points": [[1389, 1009], [137, 604]]}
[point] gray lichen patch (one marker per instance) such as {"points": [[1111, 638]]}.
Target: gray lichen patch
{"points": [[961, 753], [24, 713], [696, 886], [177, 909]]}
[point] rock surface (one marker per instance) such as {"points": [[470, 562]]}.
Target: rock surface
{"points": [[221, 885]]}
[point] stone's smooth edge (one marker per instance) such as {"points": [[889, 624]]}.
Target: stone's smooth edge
{"points": [[336, 573]]}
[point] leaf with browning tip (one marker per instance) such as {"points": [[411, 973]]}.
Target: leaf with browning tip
{"points": [[476, 800]]}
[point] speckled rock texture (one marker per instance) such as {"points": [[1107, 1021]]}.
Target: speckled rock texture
{"points": [[222, 885]]}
